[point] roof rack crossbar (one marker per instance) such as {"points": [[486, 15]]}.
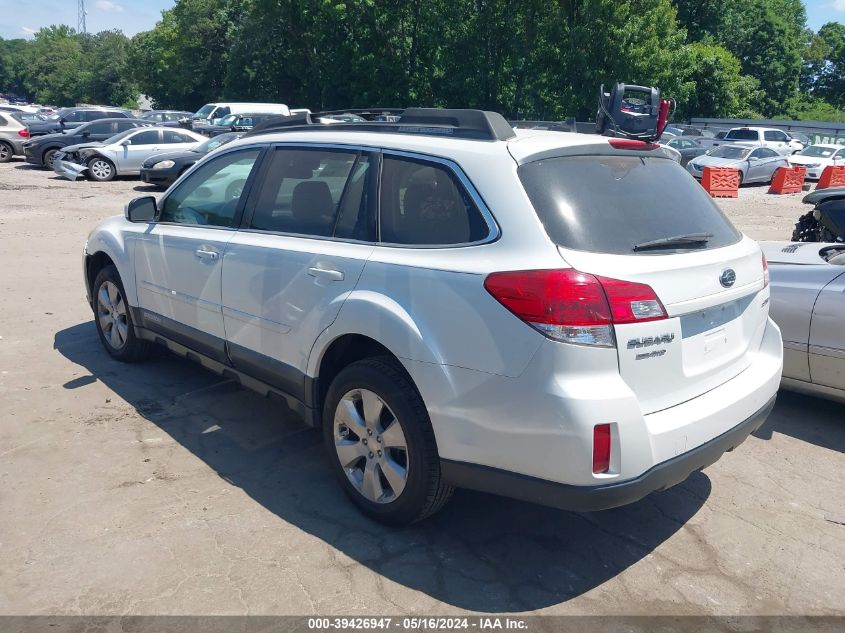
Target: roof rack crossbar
{"points": [[466, 124]]}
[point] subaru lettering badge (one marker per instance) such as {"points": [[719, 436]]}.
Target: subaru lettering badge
{"points": [[727, 278]]}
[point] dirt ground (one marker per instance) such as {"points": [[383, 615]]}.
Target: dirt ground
{"points": [[161, 489]]}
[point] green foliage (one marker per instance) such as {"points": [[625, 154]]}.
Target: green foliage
{"points": [[526, 59], [720, 90], [60, 66]]}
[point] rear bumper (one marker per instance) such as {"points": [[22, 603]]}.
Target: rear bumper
{"points": [[592, 498]]}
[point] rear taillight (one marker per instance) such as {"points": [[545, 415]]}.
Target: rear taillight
{"points": [[765, 272], [575, 307], [601, 448], [24, 133]]}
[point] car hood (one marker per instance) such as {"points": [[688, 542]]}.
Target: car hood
{"points": [[75, 148], [176, 157], [797, 159], [716, 161]]}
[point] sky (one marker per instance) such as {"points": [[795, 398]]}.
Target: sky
{"points": [[22, 18]]}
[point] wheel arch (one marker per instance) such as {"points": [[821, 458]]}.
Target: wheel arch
{"points": [[340, 352], [106, 246]]}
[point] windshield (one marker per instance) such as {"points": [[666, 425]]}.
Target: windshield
{"points": [[609, 204], [730, 151], [214, 143], [228, 120], [58, 115], [204, 111], [120, 136], [818, 151]]}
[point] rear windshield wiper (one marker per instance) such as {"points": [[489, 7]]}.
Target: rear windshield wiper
{"points": [[689, 239]]}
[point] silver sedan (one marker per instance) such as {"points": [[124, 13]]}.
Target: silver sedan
{"points": [[755, 164], [122, 154], [808, 303]]}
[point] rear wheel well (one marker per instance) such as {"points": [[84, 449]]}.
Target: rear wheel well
{"points": [[93, 265], [341, 353]]}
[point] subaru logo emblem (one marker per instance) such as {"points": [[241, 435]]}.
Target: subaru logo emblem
{"points": [[727, 278]]}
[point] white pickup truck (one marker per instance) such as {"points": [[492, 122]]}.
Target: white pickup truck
{"points": [[777, 140]]}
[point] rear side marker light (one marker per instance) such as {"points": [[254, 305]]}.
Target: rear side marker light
{"points": [[601, 448], [574, 307]]}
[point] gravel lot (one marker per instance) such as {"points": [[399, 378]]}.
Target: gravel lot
{"points": [[160, 489]]}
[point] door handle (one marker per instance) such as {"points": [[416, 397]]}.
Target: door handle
{"points": [[326, 273], [204, 254]]}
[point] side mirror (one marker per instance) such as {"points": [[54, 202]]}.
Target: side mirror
{"points": [[86, 134], [141, 209], [126, 142], [751, 159]]}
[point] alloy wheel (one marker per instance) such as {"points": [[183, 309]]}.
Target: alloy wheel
{"points": [[5, 153], [371, 446], [100, 169], [111, 314]]}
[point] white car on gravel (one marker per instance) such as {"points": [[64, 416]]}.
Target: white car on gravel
{"points": [[563, 318], [816, 158]]}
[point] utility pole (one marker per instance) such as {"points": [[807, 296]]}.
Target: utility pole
{"points": [[81, 28]]}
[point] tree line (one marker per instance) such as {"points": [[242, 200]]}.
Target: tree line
{"points": [[528, 59]]}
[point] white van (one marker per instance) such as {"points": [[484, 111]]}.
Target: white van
{"points": [[213, 112]]}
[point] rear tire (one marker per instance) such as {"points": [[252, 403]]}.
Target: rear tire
{"points": [[6, 152], [101, 169], [113, 319], [381, 445]]}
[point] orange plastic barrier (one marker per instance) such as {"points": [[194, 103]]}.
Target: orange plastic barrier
{"points": [[788, 180], [721, 182], [832, 176]]}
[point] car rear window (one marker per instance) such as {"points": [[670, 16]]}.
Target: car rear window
{"points": [[743, 135], [608, 204]]}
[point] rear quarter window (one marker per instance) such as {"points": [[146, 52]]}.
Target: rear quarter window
{"points": [[608, 204]]}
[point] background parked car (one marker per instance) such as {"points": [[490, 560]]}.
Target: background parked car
{"points": [[163, 170], [688, 148], [713, 140], [13, 133], [808, 301], [40, 150], [816, 158], [236, 123], [755, 164], [122, 154], [69, 118], [165, 118], [772, 138]]}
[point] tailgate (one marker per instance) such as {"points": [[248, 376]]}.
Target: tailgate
{"points": [[712, 328]]}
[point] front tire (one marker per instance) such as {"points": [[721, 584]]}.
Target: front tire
{"points": [[381, 444], [114, 319], [49, 155], [101, 169]]}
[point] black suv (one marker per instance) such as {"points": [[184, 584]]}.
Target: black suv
{"points": [[70, 118], [41, 149]]}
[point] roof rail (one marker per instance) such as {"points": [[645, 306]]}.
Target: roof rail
{"points": [[466, 124]]}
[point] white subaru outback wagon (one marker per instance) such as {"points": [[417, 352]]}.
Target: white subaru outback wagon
{"points": [[563, 318]]}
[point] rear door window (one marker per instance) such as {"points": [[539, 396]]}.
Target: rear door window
{"points": [[609, 204], [423, 203], [310, 192]]}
